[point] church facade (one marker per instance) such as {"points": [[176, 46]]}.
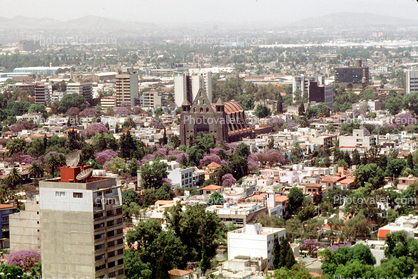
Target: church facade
{"points": [[224, 120]]}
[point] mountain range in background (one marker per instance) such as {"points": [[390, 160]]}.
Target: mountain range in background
{"points": [[339, 20]]}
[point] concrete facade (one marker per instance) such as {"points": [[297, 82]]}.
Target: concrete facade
{"points": [[25, 227], [126, 89], [254, 241], [81, 228], [82, 88]]}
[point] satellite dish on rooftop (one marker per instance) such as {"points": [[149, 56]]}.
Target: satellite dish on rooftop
{"points": [[84, 174], [73, 158]]}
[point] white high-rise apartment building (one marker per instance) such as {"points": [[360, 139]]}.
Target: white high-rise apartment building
{"points": [[411, 81], [186, 86]]}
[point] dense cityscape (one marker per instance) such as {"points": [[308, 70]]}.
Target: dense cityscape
{"points": [[240, 149]]}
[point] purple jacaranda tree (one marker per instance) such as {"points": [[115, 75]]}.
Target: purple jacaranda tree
{"points": [[73, 111], [88, 112], [105, 156], [24, 259], [22, 125], [228, 180], [312, 245], [122, 111], [275, 121], [209, 159], [336, 246], [27, 159], [95, 128], [253, 162]]}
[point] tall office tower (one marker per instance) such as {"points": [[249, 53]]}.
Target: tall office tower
{"points": [[356, 75], [321, 93], [411, 81], [182, 89], [187, 85], [81, 226], [301, 84], [83, 88], [42, 94], [127, 89]]}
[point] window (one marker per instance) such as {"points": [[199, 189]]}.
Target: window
{"points": [[78, 195], [120, 261], [112, 264], [121, 271], [59, 194], [120, 251], [110, 244], [112, 274], [100, 257], [100, 267], [98, 236], [99, 226], [109, 213], [120, 241], [111, 254], [100, 246], [119, 211], [110, 223], [119, 231], [119, 221], [110, 234]]}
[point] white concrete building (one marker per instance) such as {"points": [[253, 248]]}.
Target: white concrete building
{"points": [[82, 88], [180, 177], [411, 81], [254, 241]]}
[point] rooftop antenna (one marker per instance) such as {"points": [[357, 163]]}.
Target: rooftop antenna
{"points": [[73, 158], [84, 174]]}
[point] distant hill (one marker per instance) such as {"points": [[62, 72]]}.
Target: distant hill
{"points": [[347, 20], [86, 22]]}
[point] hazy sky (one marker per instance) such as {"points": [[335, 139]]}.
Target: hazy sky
{"points": [[203, 10]]}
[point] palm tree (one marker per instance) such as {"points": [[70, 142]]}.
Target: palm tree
{"points": [[36, 170], [15, 176]]}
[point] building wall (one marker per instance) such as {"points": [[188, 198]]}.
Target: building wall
{"points": [[411, 81], [81, 229], [25, 228], [126, 89], [253, 245]]}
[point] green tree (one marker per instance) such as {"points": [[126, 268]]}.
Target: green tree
{"points": [[115, 165], [160, 250], [15, 146], [127, 145], [133, 167], [296, 198], [73, 100], [130, 196], [411, 102], [248, 104], [164, 192], [216, 198], [199, 230], [395, 167], [307, 213], [356, 157], [152, 174], [369, 173], [15, 177], [262, 111]]}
